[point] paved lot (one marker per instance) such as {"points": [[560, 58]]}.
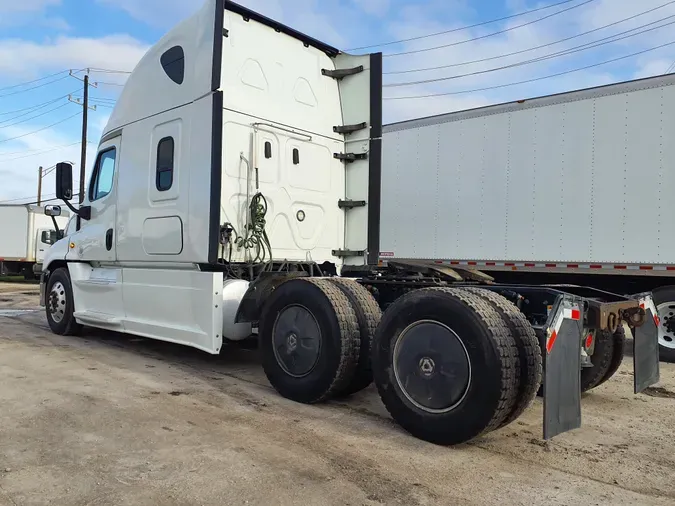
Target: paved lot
{"points": [[108, 419]]}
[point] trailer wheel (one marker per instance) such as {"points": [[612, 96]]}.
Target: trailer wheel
{"points": [[618, 350], [529, 361], [444, 366], [309, 340], [59, 304], [664, 300], [602, 356], [368, 315]]}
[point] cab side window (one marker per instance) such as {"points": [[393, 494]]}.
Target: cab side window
{"points": [[164, 178], [103, 176]]}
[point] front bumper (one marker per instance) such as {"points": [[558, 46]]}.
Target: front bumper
{"points": [[42, 289]]}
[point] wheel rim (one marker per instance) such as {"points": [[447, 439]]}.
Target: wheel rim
{"points": [[297, 340], [431, 366], [57, 302], [666, 312]]}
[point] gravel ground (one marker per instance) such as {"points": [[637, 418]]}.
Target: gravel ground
{"points": [[109, 419]]}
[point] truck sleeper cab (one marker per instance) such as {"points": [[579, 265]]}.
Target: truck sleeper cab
{"points": [[237, 186]]}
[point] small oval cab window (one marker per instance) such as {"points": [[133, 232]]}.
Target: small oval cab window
{"points": [[173, 63]]}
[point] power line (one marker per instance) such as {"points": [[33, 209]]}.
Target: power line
{"points": [[110, 84], [492, 34], [41, 129], [36, 152], [53, 195], [33, 81], [46, 104], [41, 150], [671, 68], [108, 71], [34, 87], [103, 99], [37, 116], [534, 79], [483, 23], [535, 47], [34, 107], [566, 52], [24, 198]]}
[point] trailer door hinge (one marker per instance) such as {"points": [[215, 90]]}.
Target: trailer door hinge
{"points": [[350, 204], [350, 157], [349, 129], [348, 253], [340, 73]]}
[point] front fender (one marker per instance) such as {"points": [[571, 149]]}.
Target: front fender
{"points": [[56, 253]]}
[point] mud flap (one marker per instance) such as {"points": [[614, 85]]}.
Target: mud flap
{"points": [[646, 348], [562, 371]]}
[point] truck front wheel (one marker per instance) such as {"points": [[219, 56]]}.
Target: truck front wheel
{"points": [[60, 305]]}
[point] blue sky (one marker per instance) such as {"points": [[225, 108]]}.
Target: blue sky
{"points": [[39, 38]]}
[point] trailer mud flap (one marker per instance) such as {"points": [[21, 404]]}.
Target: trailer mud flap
{"points": [[562, 371], [646, 348]]}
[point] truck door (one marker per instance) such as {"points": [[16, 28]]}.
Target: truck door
{"points": [[96, 238], [45, 238]]}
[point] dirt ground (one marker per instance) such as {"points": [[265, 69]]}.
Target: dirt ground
{"points": [[108, 419]]}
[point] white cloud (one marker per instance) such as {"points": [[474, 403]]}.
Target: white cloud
{"points": [[374, 7], [22, 57], [12, 7], [19, 172], [414, 21], [18, 13], [160, 13]]}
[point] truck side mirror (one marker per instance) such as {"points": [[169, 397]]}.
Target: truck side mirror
{"points": [[64, 181], [52, 210]]}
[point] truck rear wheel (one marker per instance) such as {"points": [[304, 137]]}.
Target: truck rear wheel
{"points": [[368, 316], [602, 359], [664, 300], [59, 304], [618, 350], [309, 340], [444, 365], [529, 361]]}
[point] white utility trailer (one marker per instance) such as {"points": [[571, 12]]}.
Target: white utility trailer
{"points": [[569, 188], [25, 236], [237, 188]]}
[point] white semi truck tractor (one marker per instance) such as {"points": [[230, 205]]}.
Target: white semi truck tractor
{"points": [[237, 188]]}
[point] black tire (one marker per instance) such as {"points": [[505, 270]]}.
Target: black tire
{"points": [[368, 316], [618, 350], [529, 359], [59, 293], [602, 356], [483, 398], [662, 296], [337, 342]]}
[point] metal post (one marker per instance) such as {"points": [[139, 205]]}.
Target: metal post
{"points": [[39, 194], [83, 159]]}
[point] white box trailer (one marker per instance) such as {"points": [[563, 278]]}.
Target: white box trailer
{"points": [[237, 187], [568, 188], [25, 235]]}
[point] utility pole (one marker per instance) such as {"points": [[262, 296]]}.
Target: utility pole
{"points": [[39, 195], [85, 108], [83, 158]]}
